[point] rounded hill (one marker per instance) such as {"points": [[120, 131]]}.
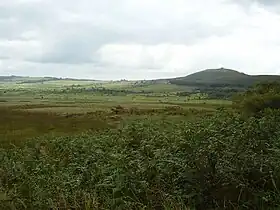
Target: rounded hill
{"points": [[220, 77]]}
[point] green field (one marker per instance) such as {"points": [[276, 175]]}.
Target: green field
{"points": [[70, 144], [35, 100]]}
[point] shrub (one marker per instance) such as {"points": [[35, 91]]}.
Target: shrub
{"points": [[220, 162], [119, 110], [255, 100]]}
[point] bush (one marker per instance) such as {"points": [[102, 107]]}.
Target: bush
{"points": [[257, 99], [219, 162], [119, 110]]}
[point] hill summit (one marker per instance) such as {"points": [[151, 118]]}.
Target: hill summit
{"points": [[222, 77], [222, 70], [216, 74]]}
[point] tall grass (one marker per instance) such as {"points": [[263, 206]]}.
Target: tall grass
{"points": [[218, 162], [18, 125]]}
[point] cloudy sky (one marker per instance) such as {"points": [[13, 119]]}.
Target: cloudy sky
{"points": [[138, 39]]}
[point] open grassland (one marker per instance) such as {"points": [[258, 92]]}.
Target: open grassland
{"points": [[25, 115], [32, 112], [147, 86]]}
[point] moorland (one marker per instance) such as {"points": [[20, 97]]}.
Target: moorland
{"points": [[210, 140]]}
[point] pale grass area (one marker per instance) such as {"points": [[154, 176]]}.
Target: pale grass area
{"points": [[62, 110]]}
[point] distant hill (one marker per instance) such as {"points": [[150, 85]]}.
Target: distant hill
{"points": [[222, 77], [209, 78], [10, 78], [26, 79]]}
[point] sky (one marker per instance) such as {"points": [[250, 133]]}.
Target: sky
{"points": [[138, 39]]}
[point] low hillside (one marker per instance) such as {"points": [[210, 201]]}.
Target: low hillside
{"points": [[27, 79], [12, 78], [222, 77]]}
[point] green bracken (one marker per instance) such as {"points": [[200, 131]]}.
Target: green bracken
{"points": [[218, 162]]}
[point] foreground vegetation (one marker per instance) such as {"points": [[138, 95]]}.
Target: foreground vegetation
{"points": [[220, 162], [75, 150]]}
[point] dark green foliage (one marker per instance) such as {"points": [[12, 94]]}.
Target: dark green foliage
{"points": [[257, 99], [94, 90], [219, 162]]}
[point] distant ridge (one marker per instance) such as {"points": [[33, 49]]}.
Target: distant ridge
{"points": [[27, 79], [222, 77]]}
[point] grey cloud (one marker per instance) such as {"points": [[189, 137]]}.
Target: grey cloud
{"points": [[18, 18], [76, 44], [66, 32], [271, 5], [264, 2], [77, 41], [2, 57], [269, 2]]}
